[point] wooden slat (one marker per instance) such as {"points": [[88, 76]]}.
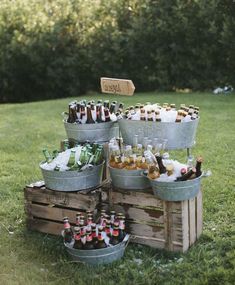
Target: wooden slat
{"points": [[155, 243], [72, 200], [147, 231], [51, 213], [185, 225], [140, 199], [199, 215], [192, 221], [44, 226], [144, 216]]}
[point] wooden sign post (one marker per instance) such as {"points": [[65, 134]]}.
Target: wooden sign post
{"points": [[117, 86]]}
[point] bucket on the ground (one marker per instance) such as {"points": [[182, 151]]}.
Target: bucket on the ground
{"points": [[98, 256]]}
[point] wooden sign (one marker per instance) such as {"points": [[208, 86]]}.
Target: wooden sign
{"points": [[117, 86]]}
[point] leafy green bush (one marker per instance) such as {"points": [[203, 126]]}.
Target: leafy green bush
{"points": [[61, 48]]}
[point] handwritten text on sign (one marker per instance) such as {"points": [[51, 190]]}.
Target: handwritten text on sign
{"points": [[117, 86]]}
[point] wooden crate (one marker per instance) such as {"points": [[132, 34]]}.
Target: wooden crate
{"points": [[46, 208], [173, 226]]}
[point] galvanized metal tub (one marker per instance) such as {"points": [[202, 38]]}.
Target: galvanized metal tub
{"points": [[68, 181], [128, 179], [114, 131], [101, 132], [179, 135], [176, 191], [98, 256]]}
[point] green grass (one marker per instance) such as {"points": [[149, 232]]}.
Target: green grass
{"points": [[34, 258]]}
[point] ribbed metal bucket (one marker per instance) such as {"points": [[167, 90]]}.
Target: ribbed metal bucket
{"points": [[128, 179], [98, 256], [179, 135], [176, 191], [101, 132], [69, 181]]}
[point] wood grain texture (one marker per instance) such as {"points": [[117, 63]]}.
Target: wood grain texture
{"points": [[174, 226], [192, 221], [73, 200]]}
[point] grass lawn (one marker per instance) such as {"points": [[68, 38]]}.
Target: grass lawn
{"points": [[34, 258]]}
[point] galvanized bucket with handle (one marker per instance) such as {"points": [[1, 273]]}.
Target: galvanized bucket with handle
{"points": [[98, 256], [176, 191], [69, 181], [178, 135]]}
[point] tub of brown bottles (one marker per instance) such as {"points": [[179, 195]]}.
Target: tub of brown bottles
{"points": [[98, 256], [179, 135], [128, 179], [98, 132], [176, 190], [68, 181]]}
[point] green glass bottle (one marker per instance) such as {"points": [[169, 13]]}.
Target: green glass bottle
{"points": [[55, 153], [47, 155], [98, 156], [71, 161]]}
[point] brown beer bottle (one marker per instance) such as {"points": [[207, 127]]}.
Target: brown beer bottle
{"points": [[112, 108], [83, 111], [89, 116], [93, 232], [188, 175], [100, 243], [78, 216], [77, 237], [153, 172], [108, 228], [115, 236], [149, 116], [120, 107], [122, 232], [106, 104], [179, 117], [112, 217], [70, 116], [98, 113], [107, 116], [142, 113], [68, 232], [162, 168], [157, 116], [89, 241], [89, 219], [198, 166]]}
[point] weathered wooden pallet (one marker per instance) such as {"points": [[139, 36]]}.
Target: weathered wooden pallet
{"points": [[46, 208], [173, 226]]}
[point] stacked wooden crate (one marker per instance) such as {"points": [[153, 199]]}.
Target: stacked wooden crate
{"points": [[46, 208], [173, 226]]}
